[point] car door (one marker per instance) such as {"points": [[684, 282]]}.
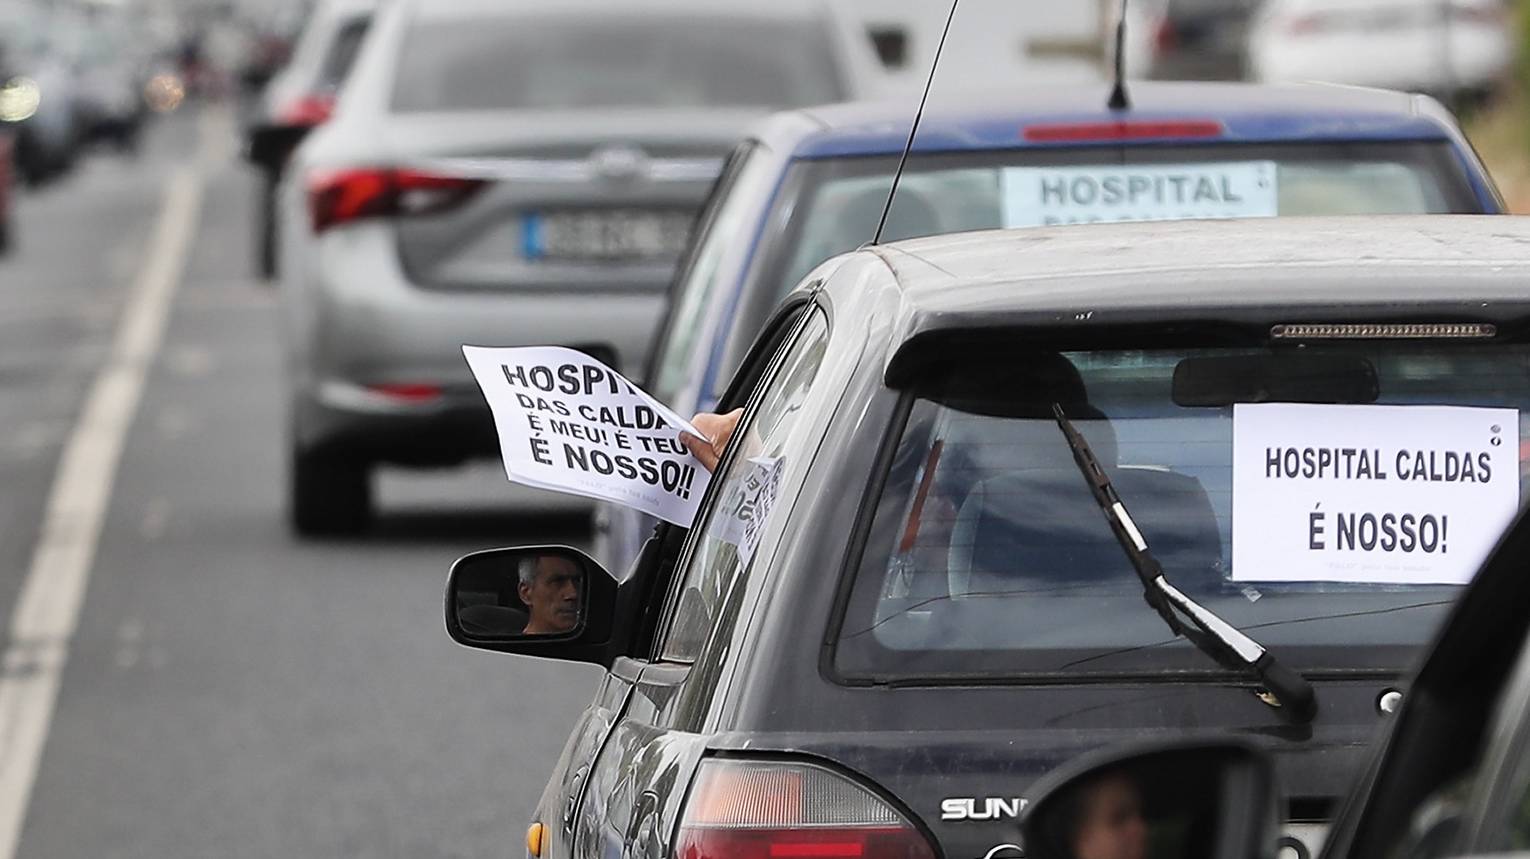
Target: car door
{"points": [[640, 776]]}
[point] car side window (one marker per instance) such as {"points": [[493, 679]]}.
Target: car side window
{"points": [[733, 202], [740, 504]]}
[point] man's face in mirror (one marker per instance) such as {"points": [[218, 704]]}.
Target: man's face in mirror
{"points": [[1110, 821], [550, 587]]}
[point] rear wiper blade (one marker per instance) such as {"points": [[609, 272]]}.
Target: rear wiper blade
{"points": [[1285, 690]]}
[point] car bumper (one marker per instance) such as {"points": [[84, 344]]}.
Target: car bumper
{"points": [[364, 330]]}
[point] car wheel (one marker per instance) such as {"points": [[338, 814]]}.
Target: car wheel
{"points": [[330, 495]]}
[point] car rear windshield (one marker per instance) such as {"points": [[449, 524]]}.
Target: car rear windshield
{"points": [[830, 206], [1335, 530], [516, 63]]}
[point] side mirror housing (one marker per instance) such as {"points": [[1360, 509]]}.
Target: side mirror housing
{"points": [[1186, 800], [549, 601], [269, 146]]}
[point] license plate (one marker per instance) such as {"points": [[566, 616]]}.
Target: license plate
{"points": [[606, 234]]}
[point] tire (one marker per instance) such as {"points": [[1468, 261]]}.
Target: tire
{"points": [[329, 495], [5, 236]]}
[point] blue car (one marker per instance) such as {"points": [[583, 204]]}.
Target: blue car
{"points": [[808, 185]]}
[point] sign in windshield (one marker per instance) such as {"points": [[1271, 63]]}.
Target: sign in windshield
{"points": [[1045, 196]]}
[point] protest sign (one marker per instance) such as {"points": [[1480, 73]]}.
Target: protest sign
{"points": [[1042, 196], [1371, 494], [749, 503], [570, 423]]}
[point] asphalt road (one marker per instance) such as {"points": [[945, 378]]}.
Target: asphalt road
{"points": [[225, 690]]}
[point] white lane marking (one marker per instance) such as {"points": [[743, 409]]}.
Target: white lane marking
{"points": [[48, 608]]}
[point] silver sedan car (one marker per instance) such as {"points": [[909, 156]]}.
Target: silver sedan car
{"points": [[506, 173]]}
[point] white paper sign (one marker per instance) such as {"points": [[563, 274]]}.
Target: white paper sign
{"points": [[1042, 196], [570, 423], [1372, 494], [750, 504]]}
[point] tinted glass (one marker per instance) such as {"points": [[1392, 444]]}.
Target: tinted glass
{"points": [[510, 63], [716, 562], [342, 52], [833, 204], [735, 199], [990, 556]]}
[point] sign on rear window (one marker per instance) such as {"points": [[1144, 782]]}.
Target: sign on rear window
{"points": [[1040, 196], [1403, 494]]}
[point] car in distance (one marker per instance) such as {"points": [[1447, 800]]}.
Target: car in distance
{"points": [[505, 174], [297, 100], [809, 184], [936, 612], [1459, 50]]}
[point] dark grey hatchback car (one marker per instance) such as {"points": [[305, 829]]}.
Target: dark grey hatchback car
{"points": [[903, 601]]}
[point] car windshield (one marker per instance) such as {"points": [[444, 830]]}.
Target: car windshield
{"points": [[1336, 530], [515, 63], [830, 206]]}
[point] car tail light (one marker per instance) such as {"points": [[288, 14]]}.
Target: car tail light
{"points": [[1079, 132], [788, 810], [336, 197], [408, 392], [308, 110]]}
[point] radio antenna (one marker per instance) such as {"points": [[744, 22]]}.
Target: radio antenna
{"points": [[914, 129], [1118, 99]]}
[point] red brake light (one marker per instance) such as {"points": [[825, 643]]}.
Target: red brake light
{"points": [[409, 392], [307, 111], [1079, 132], [787, 810], [335, 197]]}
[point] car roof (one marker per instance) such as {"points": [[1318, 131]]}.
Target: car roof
{"points": [[989, 119], [1260, 271]]}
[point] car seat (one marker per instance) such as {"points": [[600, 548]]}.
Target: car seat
{"points": [[1040, 528]]}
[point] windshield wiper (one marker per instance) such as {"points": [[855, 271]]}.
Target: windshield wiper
{"points": [[1284, 689]]}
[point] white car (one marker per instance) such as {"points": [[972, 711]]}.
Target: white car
{"points": [[505, 174], [1447, 48]]}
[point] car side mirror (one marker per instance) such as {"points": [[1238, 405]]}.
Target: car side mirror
{"points": [[1196, 800], [549, 601], [269, 146]]}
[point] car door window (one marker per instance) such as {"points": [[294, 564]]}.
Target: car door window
{"points": [[715, 560], [705, 273]]}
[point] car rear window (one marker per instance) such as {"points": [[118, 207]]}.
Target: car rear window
{"points": [[832, 205], [343, 50], [514, 63], [989, 556]]}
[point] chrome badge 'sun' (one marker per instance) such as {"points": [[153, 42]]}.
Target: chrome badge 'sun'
{"points": [[985, 808]]}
